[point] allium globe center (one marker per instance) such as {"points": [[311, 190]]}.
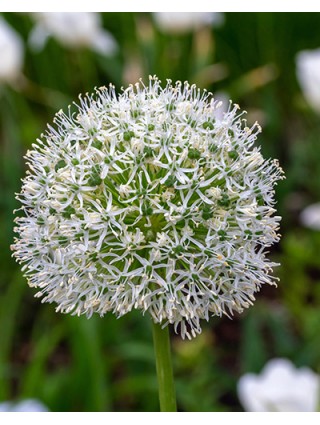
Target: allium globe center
{"points": [[147, 200]]}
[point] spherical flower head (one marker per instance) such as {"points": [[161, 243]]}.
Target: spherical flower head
{"points": [[146, 200]]}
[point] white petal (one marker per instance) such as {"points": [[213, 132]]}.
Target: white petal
{"points": [[104, 43], [11, 52], [310, 216], [281, 387], [38, 38]]}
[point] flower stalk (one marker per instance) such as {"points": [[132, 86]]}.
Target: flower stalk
{"points": [[167, 395]]}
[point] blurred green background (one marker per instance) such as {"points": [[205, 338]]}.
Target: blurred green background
{"points": [[75, 364]]}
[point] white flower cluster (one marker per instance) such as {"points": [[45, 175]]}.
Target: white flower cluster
{"points": [[145, 200]]}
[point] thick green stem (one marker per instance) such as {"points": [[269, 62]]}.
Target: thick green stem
{"points": [[167, 395]]}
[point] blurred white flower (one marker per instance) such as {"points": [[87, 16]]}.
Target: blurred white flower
{"points": [[72, 29], [223, 100], [280, 388], [182, 22], [308, 73], [11, 52], [28, 405], [310, 216]]}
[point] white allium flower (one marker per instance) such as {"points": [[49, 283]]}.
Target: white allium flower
{"points": [[72, 29], [281, 387], [27, 405], [183, 22], [310, 216], [11, 52], [308, 74], [176, 228]]}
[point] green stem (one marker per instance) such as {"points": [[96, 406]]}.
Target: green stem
{"points": [[167, 396]]}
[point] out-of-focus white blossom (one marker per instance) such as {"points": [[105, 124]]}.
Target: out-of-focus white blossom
{"points": [[310, 216], [72, 29], [149, 200], [183, 22], [28, 405], [223, 100], [11, 52], [308, 74], [280, 387]]}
